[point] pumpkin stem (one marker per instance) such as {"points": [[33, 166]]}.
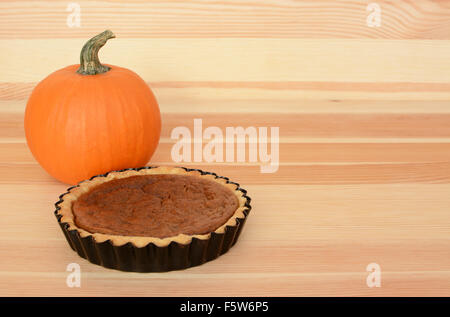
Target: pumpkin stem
{"points": [[89, 62]]}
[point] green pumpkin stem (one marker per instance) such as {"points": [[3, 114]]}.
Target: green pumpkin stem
{"points": [[89, 62]]}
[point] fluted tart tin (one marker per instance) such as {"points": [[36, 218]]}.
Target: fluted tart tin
{"points": [[141, 254]]}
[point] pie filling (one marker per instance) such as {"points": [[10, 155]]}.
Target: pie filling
{"points": [[159, 205]]}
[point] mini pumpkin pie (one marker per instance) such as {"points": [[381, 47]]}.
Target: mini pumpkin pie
{"points": [[153, 219]]}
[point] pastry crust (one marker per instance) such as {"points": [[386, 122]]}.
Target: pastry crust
{"points": [[65, 214]]}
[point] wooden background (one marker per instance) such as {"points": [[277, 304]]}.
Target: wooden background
{"points": [[364, 117]]}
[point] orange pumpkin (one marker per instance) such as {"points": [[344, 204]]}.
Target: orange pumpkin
{"points": [[89, 119]]}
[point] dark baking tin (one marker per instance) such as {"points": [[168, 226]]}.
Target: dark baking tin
{"points": [[152, 258]]}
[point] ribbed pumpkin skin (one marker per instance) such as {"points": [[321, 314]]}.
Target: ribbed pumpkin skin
{"points": [[78, 126]]}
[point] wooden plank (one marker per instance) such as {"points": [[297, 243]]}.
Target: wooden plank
{"points": [[388, 173], [272, 97], [257, 19], [300, 125], [234, 59], [349, 284], [294, 153]]}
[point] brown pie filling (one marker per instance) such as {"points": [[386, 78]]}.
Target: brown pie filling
{"points": [[158, 206]]}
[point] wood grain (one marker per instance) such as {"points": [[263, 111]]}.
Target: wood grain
{"points": [[364, 118]]}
